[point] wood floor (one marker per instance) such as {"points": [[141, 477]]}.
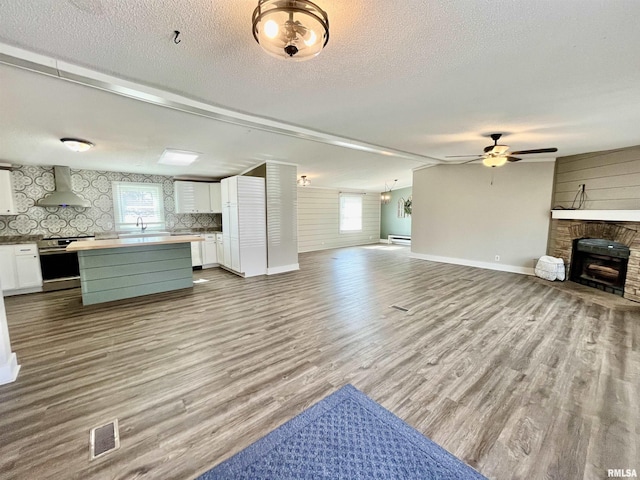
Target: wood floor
{"points": [[518, 378]]}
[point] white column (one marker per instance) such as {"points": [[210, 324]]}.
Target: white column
{"points": [[9, 367]]}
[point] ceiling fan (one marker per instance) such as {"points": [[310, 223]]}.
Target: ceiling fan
{"points": [[496, 155]]}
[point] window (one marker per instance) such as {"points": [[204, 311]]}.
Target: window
{"points": [[350, 212], [132, 200]]}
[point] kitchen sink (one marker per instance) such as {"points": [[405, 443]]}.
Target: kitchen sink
{"points": [[144, 234]]}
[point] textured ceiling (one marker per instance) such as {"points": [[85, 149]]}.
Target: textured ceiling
{"points": [[428, 77]]}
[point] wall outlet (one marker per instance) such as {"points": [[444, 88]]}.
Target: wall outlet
{"points": [[497, 258]]}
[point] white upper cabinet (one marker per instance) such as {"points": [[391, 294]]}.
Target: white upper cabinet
{"points": [[7, 197], [192, 197], [215, 195]]}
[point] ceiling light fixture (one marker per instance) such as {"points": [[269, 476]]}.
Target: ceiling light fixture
{"points": [[76, 144], [292, 29], [385, 197], [494, 160], [303, 181], [179, 158]]}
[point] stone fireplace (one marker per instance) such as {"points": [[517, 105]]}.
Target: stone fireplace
{"points": [[601, 271]]}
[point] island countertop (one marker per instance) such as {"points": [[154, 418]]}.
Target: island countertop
{"points": [[131, 242]]}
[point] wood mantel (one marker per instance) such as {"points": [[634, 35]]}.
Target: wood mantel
{"points": [[603, 215]]}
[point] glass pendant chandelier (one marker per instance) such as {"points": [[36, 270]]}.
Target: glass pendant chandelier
{"points": [[295, 30]]}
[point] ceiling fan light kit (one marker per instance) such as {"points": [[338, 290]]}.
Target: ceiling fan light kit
{"points": [[496, 155], [494, 161], [295, 30]]}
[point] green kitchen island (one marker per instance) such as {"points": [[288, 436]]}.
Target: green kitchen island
{"points": [[131, 267]]}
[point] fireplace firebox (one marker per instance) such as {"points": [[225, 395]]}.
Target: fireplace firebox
{"points": [[600, 263]]}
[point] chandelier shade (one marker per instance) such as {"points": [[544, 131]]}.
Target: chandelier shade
{"points": [[295, 30]]}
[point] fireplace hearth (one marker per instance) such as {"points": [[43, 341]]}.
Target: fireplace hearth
{"points": [[600, 263]]}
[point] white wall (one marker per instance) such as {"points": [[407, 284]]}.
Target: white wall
{"points": [[460, 216], [319, 220]]}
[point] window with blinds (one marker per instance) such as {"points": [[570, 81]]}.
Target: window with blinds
{"points": [[132, 200], [350, 212]]}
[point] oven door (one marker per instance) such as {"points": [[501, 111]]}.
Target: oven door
{"points": [[59, 269]]}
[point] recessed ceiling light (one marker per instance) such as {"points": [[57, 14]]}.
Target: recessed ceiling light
{"points": [[76, 144], [178, 157]]}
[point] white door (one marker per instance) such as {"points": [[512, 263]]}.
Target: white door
{"points": [[202, 197], [196, 254], [232, 225], [7, 200], [220, 248], [235, 255], [216, 197], [8, 276], [28, 269], [226, 241], [209, 252]]}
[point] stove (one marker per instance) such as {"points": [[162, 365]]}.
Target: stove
{"points": [[60, 269]]}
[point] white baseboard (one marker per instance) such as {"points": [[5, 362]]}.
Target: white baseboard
{"points": [[21, 291], [473, 263], [283, 269], [384, 240], [9, 371]]}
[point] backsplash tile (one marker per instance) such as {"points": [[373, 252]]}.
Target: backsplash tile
{"points": [[31, 183]]}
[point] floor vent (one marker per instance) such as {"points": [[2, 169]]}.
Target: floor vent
{"points": [[402, 309], [104, 439]]}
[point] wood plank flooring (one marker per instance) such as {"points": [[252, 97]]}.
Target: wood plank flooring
{"points": [[520, 379]]}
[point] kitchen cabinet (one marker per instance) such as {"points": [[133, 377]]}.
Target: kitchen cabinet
{"points": [[8, 274], [7, 196], [196, 253], [20, 269], [192, 197], [209, 250], [219, 248], [215, 195], [244, 225]]}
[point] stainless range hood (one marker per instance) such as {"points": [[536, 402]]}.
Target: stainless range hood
{"points": [[63, 196]]}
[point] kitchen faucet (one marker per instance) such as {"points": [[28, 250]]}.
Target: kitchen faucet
{"points": [[140, 223]]}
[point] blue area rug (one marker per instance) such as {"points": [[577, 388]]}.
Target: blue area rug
{"points": [[345, 436]]}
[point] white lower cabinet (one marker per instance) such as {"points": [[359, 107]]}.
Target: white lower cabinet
{"points": [[209, 250], [196, 254], [20, 269], [220, 248]]}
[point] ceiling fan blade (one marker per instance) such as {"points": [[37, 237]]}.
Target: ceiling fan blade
{"points": [[537, 150], [513, 159], [461, 156]]}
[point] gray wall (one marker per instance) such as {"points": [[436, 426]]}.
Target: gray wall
{"points": [[612, 179], [31, 183], [390, 223], [467, 214], [319, 220]]}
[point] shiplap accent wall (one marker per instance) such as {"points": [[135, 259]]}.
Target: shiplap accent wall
{"points": [[612, 179], [319, 220]]}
